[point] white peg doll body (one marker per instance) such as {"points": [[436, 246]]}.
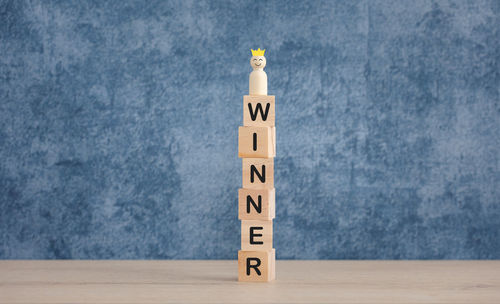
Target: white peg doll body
{"points": [[258, 78]]}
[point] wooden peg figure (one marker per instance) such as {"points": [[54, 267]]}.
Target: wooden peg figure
{"points": [[258, 78]]}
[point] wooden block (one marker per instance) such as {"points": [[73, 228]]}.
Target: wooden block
{"points": [[258, 111], [258, 173], [256, 266], [256, 235], [256, 142], [256, 204], [274, 140]]}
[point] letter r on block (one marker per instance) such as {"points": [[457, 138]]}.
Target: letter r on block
{"points": [[256, 266]]}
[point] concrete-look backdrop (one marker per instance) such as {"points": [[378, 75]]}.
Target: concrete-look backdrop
{"points": [[119, 120]]}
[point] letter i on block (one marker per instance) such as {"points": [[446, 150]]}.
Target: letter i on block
{"points": [[256, 142]]}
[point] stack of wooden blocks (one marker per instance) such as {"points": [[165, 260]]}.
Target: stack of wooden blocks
{"points": [[256, 200]]}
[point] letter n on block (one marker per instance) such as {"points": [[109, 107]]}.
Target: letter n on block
{"points": [[258, 111], [256, 266], [256, 142], [256, 204], [258, 173]]}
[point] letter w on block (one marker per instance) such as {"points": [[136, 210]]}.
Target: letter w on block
{"points": [[258, 108], [258, 111]]}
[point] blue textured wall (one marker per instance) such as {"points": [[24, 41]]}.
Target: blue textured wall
{"points": [[118, 127]]}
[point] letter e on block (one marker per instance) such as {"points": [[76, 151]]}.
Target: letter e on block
{"points": [[256, 266], [256, 235], [258, 111]]}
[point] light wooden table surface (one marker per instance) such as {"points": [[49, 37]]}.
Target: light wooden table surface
{"points": [[215, 282]]}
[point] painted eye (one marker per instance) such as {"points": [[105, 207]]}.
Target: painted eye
{"points": [[255, 59], [260, 59]]}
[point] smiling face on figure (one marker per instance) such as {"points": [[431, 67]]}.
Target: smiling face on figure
{"points": [[258, 62]]}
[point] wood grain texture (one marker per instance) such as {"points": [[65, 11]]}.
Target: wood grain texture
{"points": [[216, 282], [264, 167], [259, 142], [262, 233], [266, 267], [262, 198], [257, 105]]}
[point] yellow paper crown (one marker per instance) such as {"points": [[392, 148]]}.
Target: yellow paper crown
{"points": [[258, 52]]}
